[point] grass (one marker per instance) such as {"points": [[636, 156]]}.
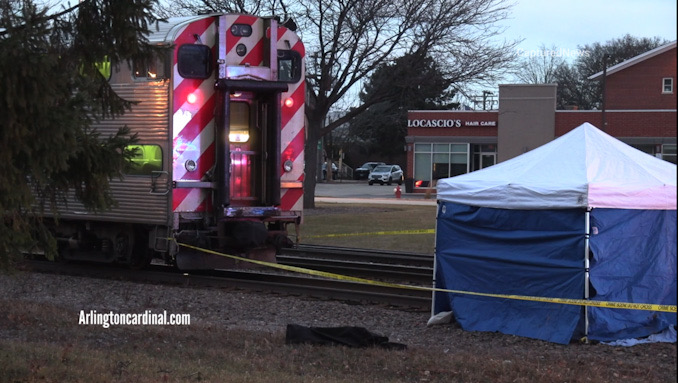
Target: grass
{"points": [[41, 342], [385, 227], [53, 348]]}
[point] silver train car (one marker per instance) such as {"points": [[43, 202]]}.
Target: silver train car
{"points": [[220, 157]]}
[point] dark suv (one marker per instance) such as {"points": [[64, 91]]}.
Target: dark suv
{"points": [[362, 172]]}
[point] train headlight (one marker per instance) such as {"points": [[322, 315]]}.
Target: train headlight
{"points": [[190, 165], [288, 165], [243, 30], [241, 50]]}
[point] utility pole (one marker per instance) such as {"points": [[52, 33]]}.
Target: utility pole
{"points": [[485, 94], [605, 57], [484, 99]]}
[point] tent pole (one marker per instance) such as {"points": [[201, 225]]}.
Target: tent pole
{"points": [[587, 232], [433, 282]]}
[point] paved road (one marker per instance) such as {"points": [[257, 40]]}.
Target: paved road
{"points": [[361, 192]]}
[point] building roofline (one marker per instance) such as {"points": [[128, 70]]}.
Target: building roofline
{"points": [[635, 60]]}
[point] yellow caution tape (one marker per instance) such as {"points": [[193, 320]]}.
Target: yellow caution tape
{"points": [[565, 301], [398, 232]]}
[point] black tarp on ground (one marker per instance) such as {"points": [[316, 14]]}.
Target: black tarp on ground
{"points": [[350, 336]]}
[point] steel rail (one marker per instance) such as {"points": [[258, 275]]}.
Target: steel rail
{"points": [[360, 255], [254, 280]]}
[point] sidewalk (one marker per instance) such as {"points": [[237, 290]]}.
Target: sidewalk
{"points": [[358, 192], [379, 201]]}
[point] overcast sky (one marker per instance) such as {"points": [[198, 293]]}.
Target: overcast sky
{"points": [[569, 24], [572, 23]]}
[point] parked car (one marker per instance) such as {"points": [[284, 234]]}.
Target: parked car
{"points": [[362, 172], [386, 174], [335, 170]]}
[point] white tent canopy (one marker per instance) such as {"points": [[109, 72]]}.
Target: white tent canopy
{"points": [[583, 168]]}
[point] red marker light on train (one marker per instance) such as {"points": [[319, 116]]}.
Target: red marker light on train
{"points": [[289, 102], [191, 98]]}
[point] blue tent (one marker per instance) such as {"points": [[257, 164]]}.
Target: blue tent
{"points": [[583, 217]]}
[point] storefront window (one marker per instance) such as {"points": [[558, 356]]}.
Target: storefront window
{"points": [[441, 148], [422, 169], [435, 161], [459, 164], [441, 165], [419, 148], [459, 159], [669, 152], [484, 156], [645, 148]]}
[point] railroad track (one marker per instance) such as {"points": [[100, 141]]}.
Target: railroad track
{"points": [[373, 264], [262, 280], [362, 255]]}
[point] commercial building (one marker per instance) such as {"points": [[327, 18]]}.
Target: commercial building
{"points": [[639, 109]]}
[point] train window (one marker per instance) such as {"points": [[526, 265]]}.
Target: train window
{"points": [[147, 158], [289, 66], [239, 131], [104, 67], [152, 69], [194, 61]]}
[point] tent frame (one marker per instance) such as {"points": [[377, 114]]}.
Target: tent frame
{"points": [[587, 236], [435, 263]]}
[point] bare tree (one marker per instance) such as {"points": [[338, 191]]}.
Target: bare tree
{"points": [[539, 66], [196, 7], [347, 40], [350, 39], [574, 86]]}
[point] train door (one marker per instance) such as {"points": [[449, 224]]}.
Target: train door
{"points": [[243, 137], [254, 150]]}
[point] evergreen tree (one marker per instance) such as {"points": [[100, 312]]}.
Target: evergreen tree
{"points": [[52, 91], [574, 86], [411, 82]]}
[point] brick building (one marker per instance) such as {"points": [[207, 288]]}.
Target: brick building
{"points": [[640, 110]]}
